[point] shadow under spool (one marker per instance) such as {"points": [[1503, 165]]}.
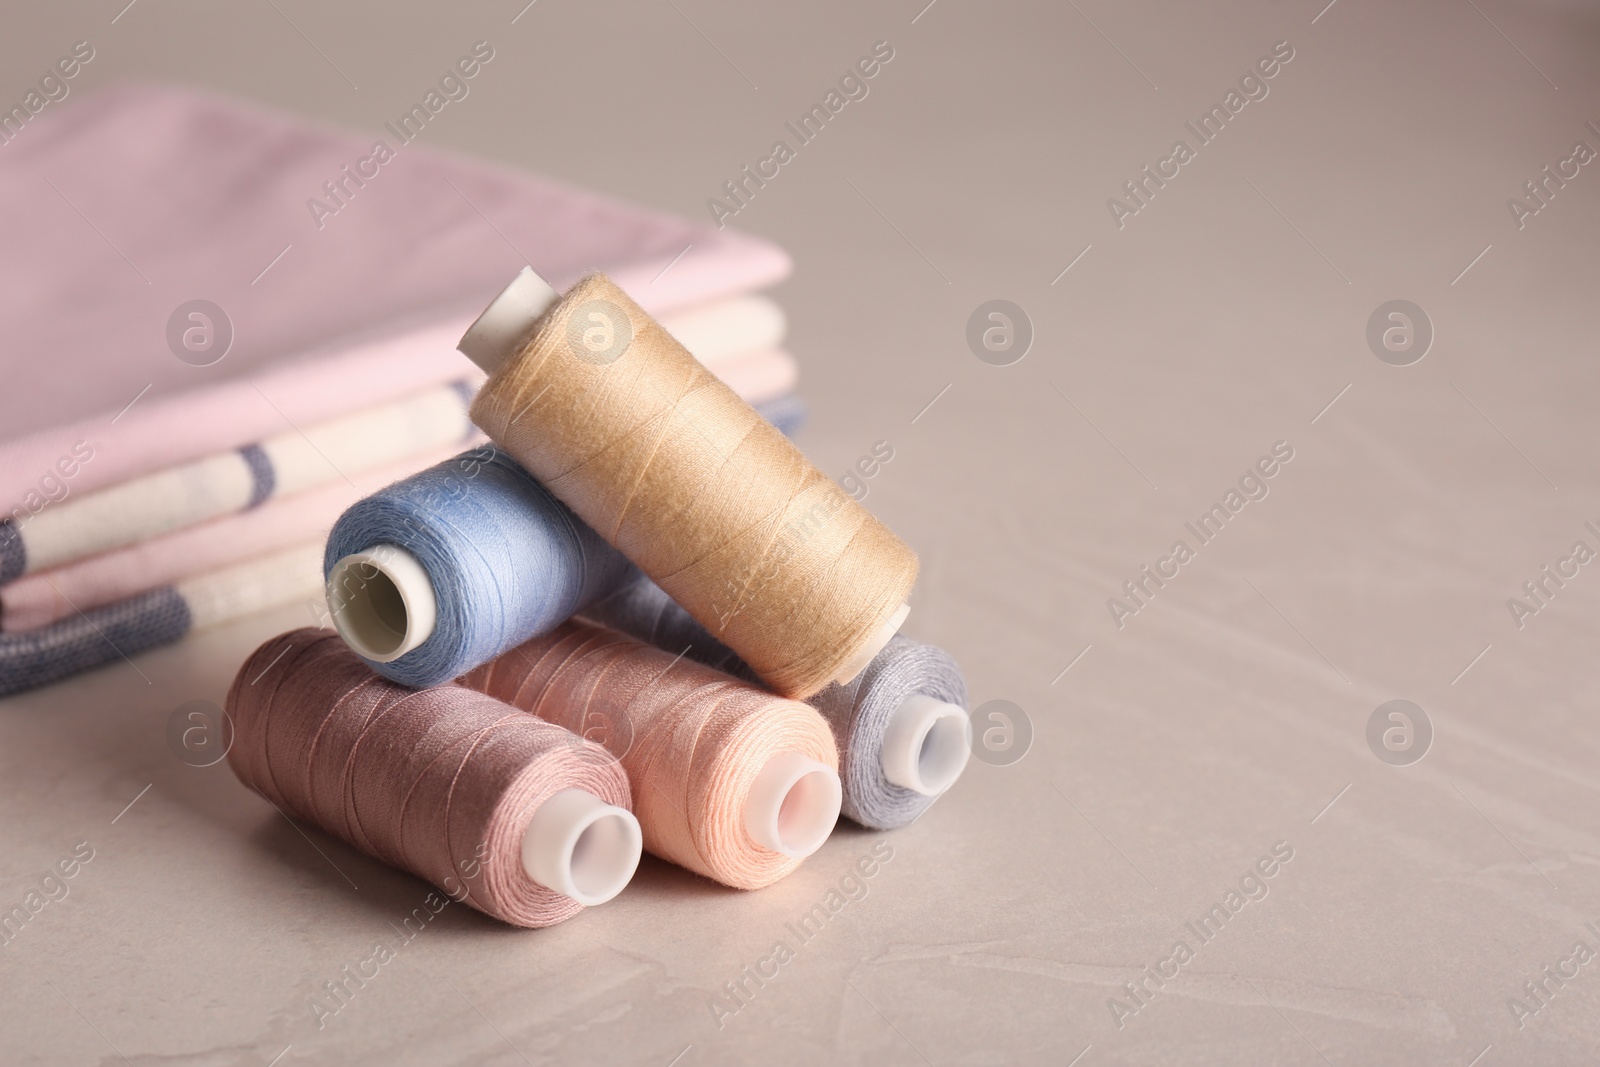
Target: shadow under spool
{"points": [[729, 781], [617, 419], [514, 816]]}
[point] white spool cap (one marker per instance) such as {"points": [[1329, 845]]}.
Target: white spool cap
{"points": [[926, 746], [582, 847], [793, 804], [865, 655], [382, 602], [493, 338]]}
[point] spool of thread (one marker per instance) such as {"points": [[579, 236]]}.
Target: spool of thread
{"points": [[729, 781], [901, 725], [617, 419], [516, 817], [448, 568]]}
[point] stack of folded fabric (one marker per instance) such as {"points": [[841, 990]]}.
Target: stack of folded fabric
{"points": [[150, 487]]}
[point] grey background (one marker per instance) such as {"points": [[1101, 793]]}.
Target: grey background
{"points": [[1176, 750]]}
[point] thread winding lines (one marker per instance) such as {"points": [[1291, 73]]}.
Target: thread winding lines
{"points": [[440, 782], [507, 559], [689, 482], [692, 739], [858, 712]]}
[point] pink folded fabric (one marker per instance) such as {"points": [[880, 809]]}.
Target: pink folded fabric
{"points": [[46, 597], [49, 596], [144, 198]]}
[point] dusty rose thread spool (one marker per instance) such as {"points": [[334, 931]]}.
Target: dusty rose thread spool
{"points": [[621, 422], [516, 817], [730, 781]]}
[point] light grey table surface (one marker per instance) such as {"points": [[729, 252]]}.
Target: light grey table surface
{"points": [[1170, 753]]}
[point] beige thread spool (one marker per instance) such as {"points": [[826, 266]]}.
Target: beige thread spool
{"points": [[617, 419]]}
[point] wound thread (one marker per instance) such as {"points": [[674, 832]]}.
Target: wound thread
{"points": [[618, 420], [693, 740], [506, 560], [858, 712], [440, 782]]}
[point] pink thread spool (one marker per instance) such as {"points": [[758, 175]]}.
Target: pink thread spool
{"points": [[730, 781], [518, 818]]}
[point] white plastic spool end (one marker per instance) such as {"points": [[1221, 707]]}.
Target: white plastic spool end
{"points": [[493, 338], [793, 805], [581, 847], [926, 746], [867, 652], [382, 602]]}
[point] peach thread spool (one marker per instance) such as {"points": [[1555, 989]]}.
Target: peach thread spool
{"points": [[516, 817], [901, 726], [620, 422], [730, 781]]}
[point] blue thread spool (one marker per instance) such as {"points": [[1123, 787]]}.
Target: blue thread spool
{"points": [[448, 568]]}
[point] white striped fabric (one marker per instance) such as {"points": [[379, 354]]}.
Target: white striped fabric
{"points": [[233, 481], [246, 588]]}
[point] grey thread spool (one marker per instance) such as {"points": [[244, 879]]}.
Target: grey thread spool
{"points": [[903, 717]]}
